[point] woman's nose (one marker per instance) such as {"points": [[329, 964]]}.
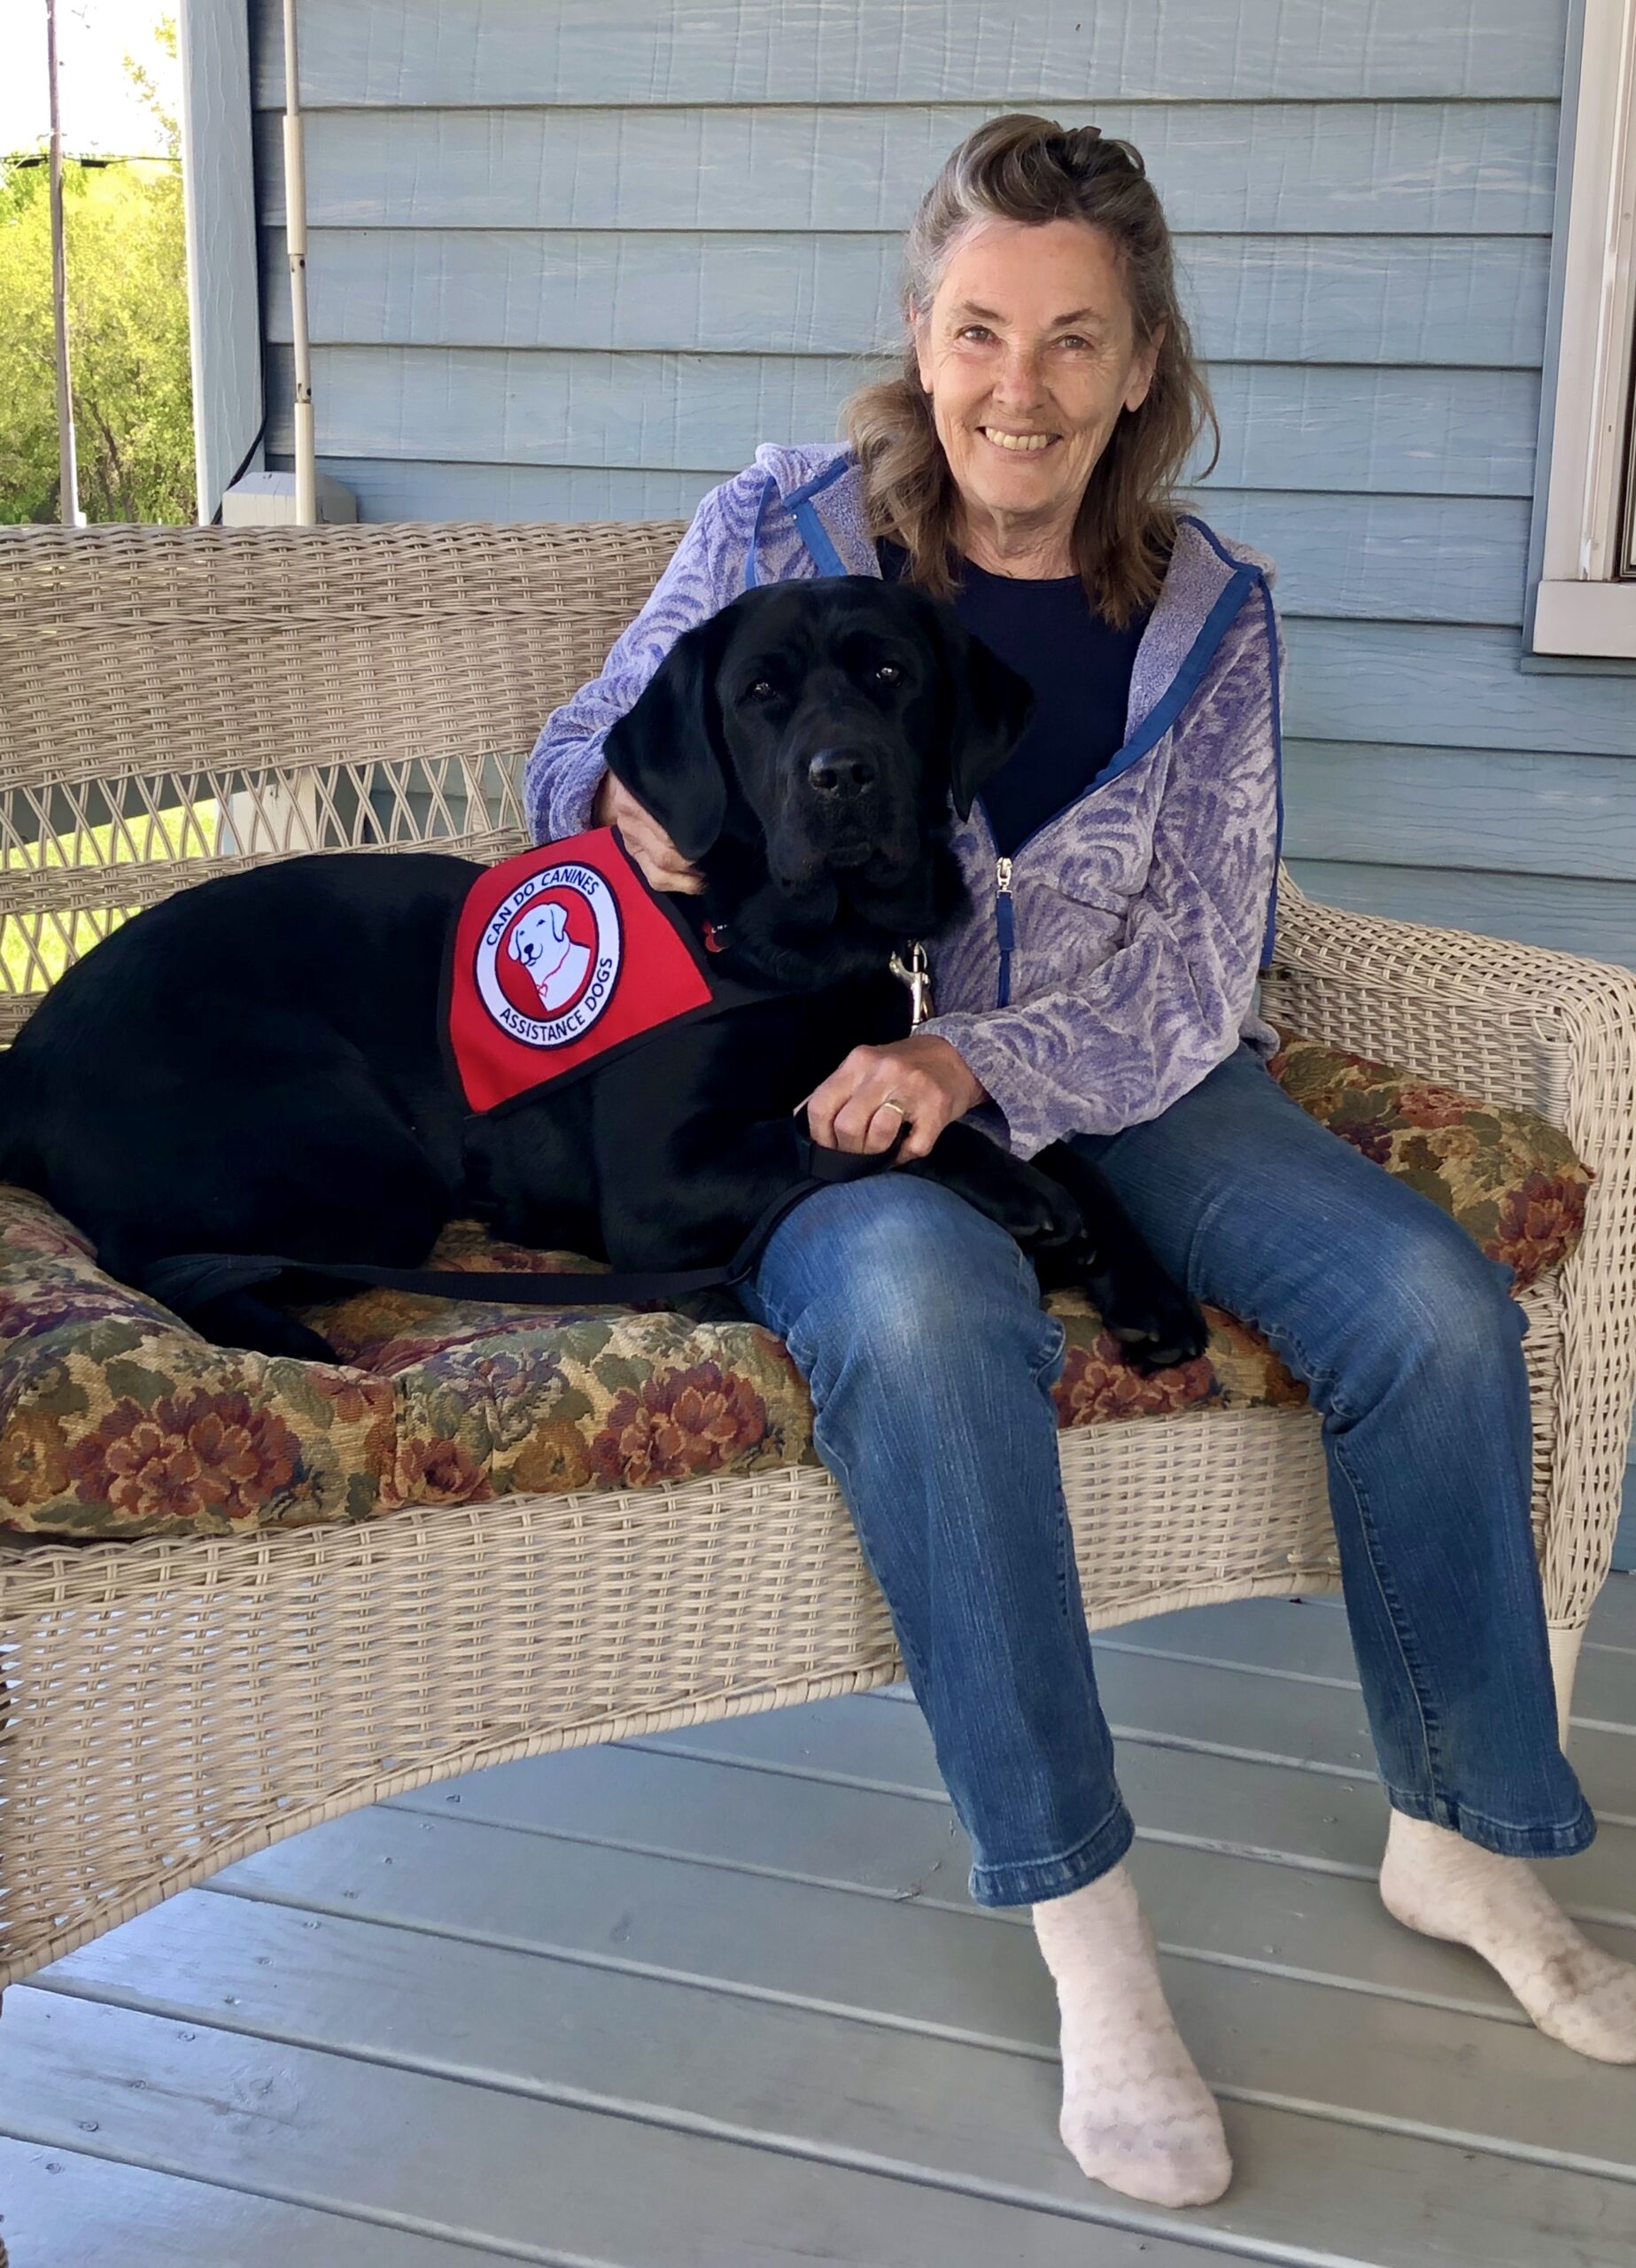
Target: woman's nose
{"points": [[1021, 379]]}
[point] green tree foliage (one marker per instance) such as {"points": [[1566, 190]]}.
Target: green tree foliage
{"points": [[127, 333]]}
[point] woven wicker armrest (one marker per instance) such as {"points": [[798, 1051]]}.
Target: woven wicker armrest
{"points": [[1555, 1033]]}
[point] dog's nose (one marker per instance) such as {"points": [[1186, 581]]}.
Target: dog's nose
{"points": [[842, 771]]}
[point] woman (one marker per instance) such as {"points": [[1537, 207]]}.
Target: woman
{"points": [[1100, 989]]}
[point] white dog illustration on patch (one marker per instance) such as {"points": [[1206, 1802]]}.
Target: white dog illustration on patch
{"points": [[556, 964]]}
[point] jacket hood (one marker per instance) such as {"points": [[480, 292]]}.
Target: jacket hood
{"points": [[817, 486], [794, 464]]}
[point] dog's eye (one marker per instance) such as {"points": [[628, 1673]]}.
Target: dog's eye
{"points": [[760, 690], [888, 673]]}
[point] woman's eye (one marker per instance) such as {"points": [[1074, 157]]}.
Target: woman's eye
{"points": [[975, 330], [888, 673]]}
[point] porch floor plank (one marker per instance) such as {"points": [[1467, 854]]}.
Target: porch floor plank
{"points": [[1614, 1621], [58, 2204], [721, 2000], [595, 1900], [1307, 1638]]}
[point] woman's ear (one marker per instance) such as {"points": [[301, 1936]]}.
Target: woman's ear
{"points": [[989, 709], [668, 750], [1143, 365], [920, 327]]}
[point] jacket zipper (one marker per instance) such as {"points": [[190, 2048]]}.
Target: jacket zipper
{"points": [[1004, 907], [1005, 927], [1004, 910]]}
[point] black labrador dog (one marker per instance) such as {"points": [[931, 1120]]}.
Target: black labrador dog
{"points": [[256, 1066]]}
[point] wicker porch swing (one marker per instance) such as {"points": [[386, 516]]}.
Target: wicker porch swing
{"points": [[173, 1704]]}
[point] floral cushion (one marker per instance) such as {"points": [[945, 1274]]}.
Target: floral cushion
{"points": [[117, 1420], [1508, 1177]]}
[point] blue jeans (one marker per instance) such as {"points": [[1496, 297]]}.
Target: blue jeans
{"points": [[917, 1323]]}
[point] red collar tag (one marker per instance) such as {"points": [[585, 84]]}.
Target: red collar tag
{"points": [[560, 957]]}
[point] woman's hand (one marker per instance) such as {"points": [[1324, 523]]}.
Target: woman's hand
{"points": [[644, 838], [928, 1078]]}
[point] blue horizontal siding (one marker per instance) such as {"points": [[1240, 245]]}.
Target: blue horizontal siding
{"points": [[1467, 302], [416, 489], [1320, 430], [1383, 558], [1452, 168], [1571, 816], [1435, 685], [444, 54], [1578, 917], [413, 488]]}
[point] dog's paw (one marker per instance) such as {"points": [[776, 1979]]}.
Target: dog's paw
{"points": [[1156, 1324]]}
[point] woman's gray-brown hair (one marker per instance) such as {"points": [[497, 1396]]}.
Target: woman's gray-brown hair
{"points": [[1032, 170]]}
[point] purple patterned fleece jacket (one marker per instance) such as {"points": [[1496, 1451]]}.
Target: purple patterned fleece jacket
{"points": [[1105, 970]]}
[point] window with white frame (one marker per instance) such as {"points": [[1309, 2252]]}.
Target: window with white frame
{"points": [[1585, 601]]}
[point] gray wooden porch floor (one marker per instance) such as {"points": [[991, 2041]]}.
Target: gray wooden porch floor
{"points": [[719, 2000]]}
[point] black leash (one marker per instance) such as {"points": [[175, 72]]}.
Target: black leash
{"points": [[186, 1280]]}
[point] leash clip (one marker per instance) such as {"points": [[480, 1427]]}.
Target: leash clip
{"points": [[917, 975]]}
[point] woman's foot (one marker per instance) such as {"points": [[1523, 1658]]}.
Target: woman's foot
{"points": [[1434, 1881], [1135, 2112]]}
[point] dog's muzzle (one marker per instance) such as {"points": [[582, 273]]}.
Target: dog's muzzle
{"points": [[844, 810], [842, 775]]}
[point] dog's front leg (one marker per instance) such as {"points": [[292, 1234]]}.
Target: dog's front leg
{"points": [[1070, 1221], [1155, 1320], [1029, 1206]]}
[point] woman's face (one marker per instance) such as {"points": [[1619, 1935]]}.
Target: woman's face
{"points": [[1030, 352]]}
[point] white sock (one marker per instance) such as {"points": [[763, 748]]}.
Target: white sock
{"points": [[1135, 2112], [1434, 1881]]}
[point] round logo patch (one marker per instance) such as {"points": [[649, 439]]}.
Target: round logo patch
{"points": [[548, 957]]}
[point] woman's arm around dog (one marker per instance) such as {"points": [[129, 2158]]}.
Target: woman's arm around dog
{"points": [[565, 771]]}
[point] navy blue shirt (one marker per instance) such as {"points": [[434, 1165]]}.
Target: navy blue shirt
{"points": [[1079, 666]]}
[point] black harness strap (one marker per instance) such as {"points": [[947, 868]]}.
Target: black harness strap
{"points": [[187, 1281]]}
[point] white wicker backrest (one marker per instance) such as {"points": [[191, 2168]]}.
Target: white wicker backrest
{"points": [[176, 702]]}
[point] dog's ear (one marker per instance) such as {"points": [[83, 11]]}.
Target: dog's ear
{"points": [[668, 750], [989, 708]]}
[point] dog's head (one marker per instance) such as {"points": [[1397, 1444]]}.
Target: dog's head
{"points": [[825, 725]]}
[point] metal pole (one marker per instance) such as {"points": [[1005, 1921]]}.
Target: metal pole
{"points": [[68, 477], [295, 222]]}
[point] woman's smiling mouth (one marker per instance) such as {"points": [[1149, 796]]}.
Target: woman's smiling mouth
{"points": [[1018, 444]]}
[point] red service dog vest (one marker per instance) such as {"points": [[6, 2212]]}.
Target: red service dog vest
{"points": [[560, 957]]}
